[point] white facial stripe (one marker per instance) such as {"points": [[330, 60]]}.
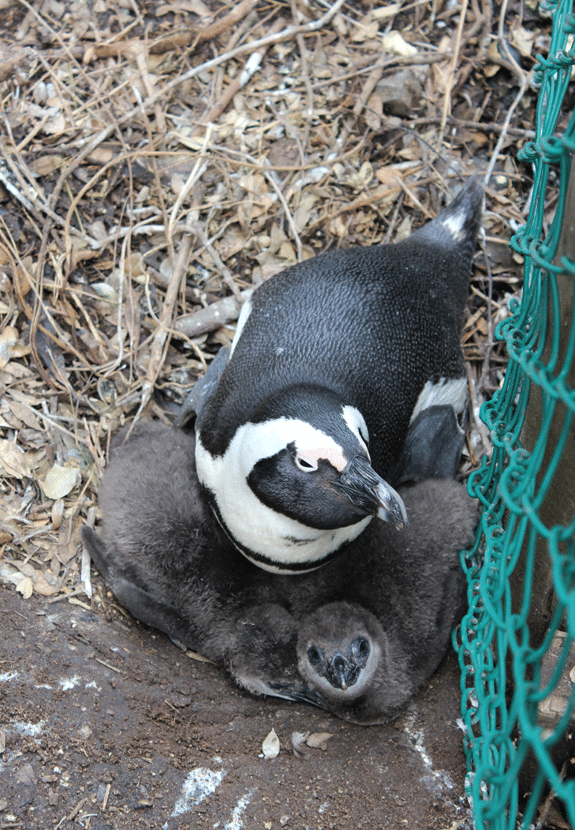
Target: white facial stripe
{"points": [[445, 393], [255, 526], [242, 320], [252, 442], [356, 422]]}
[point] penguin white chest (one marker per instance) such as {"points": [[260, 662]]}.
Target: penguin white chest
{"points": [[267, 537]]}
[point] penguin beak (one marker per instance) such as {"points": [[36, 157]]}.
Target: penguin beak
{"points": [[341, 672], [371, 493]]}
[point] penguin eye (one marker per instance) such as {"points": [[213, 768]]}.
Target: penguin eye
{"points": [[305, 464], [313, 655], [362, 647]]}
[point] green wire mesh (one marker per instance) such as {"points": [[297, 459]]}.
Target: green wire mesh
{"points": [[521, 570]]}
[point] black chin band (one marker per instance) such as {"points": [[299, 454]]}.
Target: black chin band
{"points": [[279, 567]]}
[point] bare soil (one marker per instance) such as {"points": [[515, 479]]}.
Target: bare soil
{"points": [[105, 721]]}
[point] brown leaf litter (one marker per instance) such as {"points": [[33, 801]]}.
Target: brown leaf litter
{"points": [[158, 161]]}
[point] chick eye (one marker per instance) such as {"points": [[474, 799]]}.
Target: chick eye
{"points": [[305, 464], [314, 656], [363, 647]]}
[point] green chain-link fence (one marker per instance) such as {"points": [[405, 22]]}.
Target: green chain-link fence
{"points": [[516, 649]]}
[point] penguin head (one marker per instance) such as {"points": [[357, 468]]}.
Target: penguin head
{"points": [[339, 650], [314, 463], [295, 483]]}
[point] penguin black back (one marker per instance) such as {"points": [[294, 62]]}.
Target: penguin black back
{"points": [[357, 321]]}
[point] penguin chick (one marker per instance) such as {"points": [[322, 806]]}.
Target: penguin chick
{"points": [[345, 378], [397, 601], [261, 655], [362, 674], [166, 559], [411, 581], [339, 646]]}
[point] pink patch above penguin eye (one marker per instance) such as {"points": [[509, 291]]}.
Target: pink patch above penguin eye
{"points": [[309, 461]]}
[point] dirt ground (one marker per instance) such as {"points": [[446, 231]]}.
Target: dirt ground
{"points": [[109, 725]]}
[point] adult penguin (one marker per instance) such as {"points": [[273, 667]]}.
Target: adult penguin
{"points": [[345, 378]]}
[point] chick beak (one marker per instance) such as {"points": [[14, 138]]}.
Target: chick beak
{"points": [[371, 493], [342, 673]]}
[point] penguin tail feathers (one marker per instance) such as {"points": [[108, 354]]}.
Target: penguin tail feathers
{"points": [[97, 550], [457, 226]]}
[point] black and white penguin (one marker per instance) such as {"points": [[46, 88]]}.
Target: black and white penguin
{"points": [[357, 641], [345, 378]]}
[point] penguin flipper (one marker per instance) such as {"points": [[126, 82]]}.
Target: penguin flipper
{"points": [[431, 649], [261, 654], [141, 604], [302, 694], [203, 389], [98, 553], [433, 446], [265, 682]]}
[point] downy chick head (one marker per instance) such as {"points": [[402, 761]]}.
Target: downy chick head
{"points": [[340, 647], [296, 482]]}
